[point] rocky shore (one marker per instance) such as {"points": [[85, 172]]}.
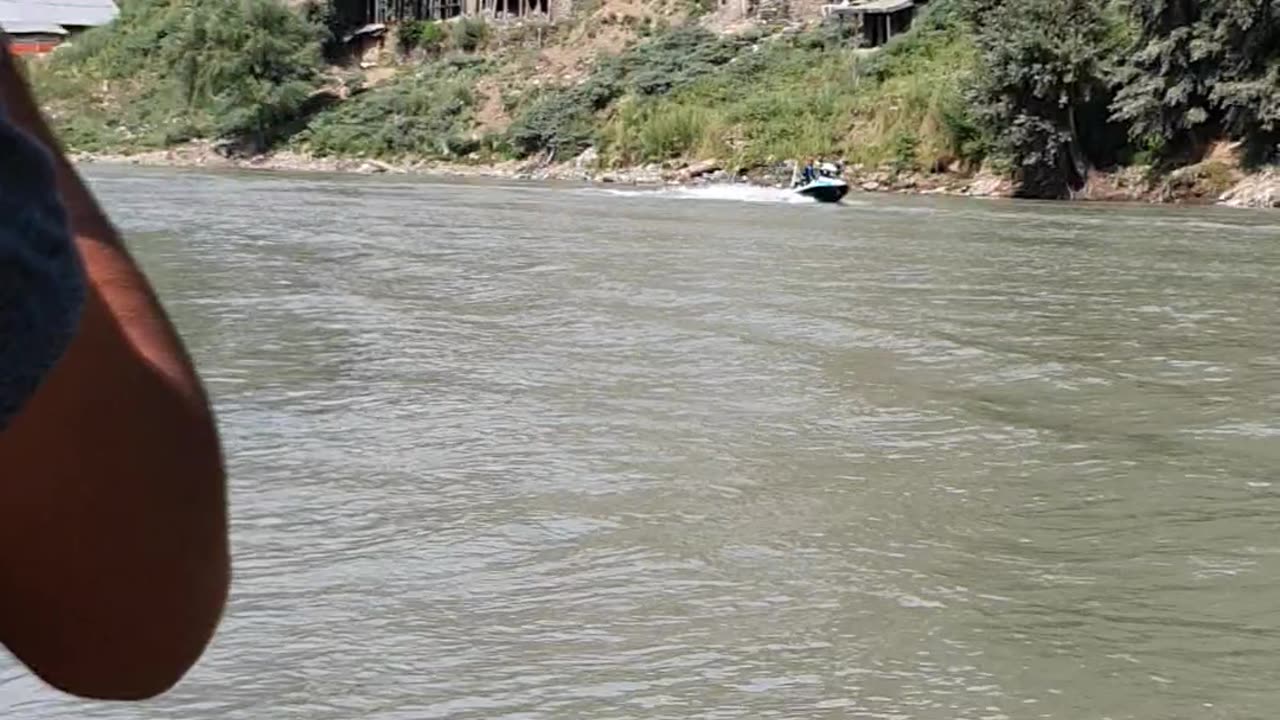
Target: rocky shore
{"points": [[1213, 181]]}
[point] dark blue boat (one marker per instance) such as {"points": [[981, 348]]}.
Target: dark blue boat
{"points": [[824, 189]]}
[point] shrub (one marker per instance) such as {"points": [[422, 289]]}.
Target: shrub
{"points": [[655, 130], [469, 34], [425, 114], [174, 71], [561, 121], [424, 35], [905, 147]]}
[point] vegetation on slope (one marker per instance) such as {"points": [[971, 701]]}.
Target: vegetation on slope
{"points": [[1047, 89], [424, 112], [1066, 84], [809, 95], [169, 71]]}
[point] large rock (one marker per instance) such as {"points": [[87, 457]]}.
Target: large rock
{"points": [[990, 185], [587, 160], [373, 167], [1125, 184], [1201, 182], [650, 174], [1255, 191], [699, 169]]}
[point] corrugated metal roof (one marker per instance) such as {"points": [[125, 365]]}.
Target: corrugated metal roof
{"points": [[867, 7], [30, 28], [66, 13], [370, 29], [884, 6]]}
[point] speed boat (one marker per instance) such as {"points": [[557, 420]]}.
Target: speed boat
{"points": [[824, 189], [825, 186]]}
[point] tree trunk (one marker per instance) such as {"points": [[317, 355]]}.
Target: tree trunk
{"points": [[1075, 152]]}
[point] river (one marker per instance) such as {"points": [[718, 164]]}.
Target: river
{"points": [[519, 451]]}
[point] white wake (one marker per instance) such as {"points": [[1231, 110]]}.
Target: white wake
{"points": [[730, 193]]}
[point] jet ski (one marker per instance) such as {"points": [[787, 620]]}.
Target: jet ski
{"points": [[826, 186]]}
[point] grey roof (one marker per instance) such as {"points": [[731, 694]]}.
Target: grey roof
{"points": [[885, 6], [65, 13], [868, 7], [370, 29], [32, 28]]}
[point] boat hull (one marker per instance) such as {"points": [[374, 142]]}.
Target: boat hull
{"points": [[830, 191]]}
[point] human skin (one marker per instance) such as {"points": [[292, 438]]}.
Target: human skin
{"points": [[114, 561]]}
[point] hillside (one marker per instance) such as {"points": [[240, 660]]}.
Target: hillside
{"points": [[1045, 92]]}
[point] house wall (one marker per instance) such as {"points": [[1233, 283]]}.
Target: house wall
{"points": [[352, 14], [878, 28], [355, 13], [34, 43]]}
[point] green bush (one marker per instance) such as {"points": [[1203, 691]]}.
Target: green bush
{"points": [[469, 34], [905, 147], [560, 121], [425, 35], [753, 101], [426, 114], [654, 130], [173, 71], [1194, 72], [698, 8], [1043, 67], [677, 58], [563, 121]]}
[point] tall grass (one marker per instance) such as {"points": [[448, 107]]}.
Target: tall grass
{"points": [[905, 107], [646, 130], [916, 88]]}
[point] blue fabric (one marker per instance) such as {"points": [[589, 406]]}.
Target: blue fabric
{"points": [[41, 282]]}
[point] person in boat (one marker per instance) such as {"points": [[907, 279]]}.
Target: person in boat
{"points": [[810, 172], [113, 506]]}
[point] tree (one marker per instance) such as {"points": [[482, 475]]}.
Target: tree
{"points": [[252, 64], [1040, 83], [1201, 68], [1247, 93]]}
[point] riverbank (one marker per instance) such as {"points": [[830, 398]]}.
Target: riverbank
{"points": [[658, 97], [1215, 181], [203, 155]]}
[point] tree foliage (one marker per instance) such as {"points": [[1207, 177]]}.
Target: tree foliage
{"points": [[1200, 68], [424, 114], [428, 36], [1041, 81], [251, 63], [186, 68], [469, 34]]}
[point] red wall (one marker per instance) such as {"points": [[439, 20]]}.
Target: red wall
{"points": [[33, 44]]}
